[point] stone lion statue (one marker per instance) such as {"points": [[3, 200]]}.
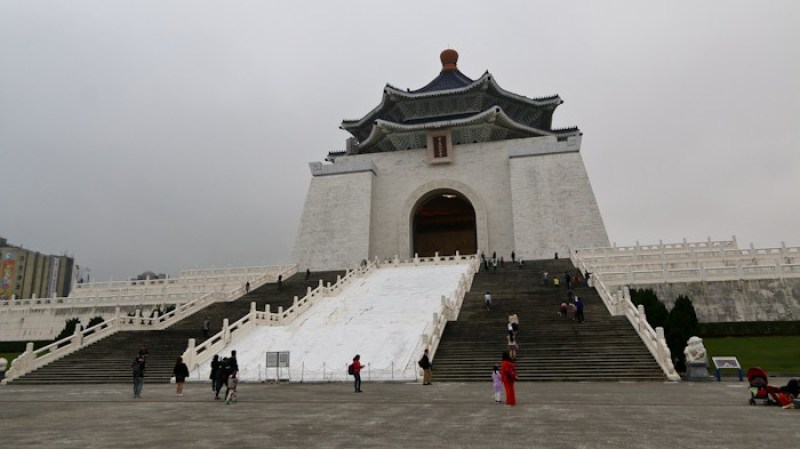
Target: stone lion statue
{"points": [[695, 351]]}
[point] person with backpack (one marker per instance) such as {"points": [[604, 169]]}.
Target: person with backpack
{"points": [[355, 370], [137, 368], [230, 369], [222, 376], [578, 310], [425, 364], [214, 375]]}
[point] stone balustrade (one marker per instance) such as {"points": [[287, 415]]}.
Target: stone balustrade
{"points": [[196, 355], [690, 262], [618, 302], [188, 279], [33, 359]]}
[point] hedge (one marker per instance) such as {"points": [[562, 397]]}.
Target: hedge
{"points": [[750, 329]]}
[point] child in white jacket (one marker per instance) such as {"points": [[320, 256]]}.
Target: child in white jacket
{"points": [[497, 383]]}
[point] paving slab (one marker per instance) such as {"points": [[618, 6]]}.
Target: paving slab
{"points": [[396, 415]]}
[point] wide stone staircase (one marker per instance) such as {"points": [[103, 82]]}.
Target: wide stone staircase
{"points": [[604, 347], [109, 360]]}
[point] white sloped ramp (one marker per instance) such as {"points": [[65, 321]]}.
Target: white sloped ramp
{"points": [[380, 317]]}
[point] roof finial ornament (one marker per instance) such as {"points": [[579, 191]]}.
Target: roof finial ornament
{"points": [[449, 58]]}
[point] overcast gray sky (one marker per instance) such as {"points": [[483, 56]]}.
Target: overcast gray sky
{"points": [[164, 135]]}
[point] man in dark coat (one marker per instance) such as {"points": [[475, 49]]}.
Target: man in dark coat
{"points": [[138, 375], [425, 364]]}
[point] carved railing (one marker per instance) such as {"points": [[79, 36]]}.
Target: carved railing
{"points": [[196, 355], [694, 261], [33, 359], [619, 303]]}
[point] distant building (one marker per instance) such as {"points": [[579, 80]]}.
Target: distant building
{"points": [[25, 273], [149, 275]]}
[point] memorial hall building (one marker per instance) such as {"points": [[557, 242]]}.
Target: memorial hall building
{"points": [[458, 165]]}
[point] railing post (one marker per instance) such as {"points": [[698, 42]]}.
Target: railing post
{"points": [[280, 314], [642, 319], [226, 332], [252, 308], [191, 354]]}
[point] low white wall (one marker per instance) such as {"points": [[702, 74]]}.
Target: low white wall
{"points": [[724, 283], [44, 318]]}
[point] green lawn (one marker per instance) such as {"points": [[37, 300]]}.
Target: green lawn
{"points": [[774, 354], [9, 356]]}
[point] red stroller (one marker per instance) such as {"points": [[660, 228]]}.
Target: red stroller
{"points": [[761, 391], [758, 380]]}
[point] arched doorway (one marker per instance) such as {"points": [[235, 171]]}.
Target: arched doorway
{"points": [[444, 222]]}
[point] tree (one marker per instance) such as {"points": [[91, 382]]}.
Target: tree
{"points": [[69, 328], [655, 310], [681, 324]]}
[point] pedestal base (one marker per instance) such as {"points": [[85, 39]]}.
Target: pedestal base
{"points": [[697, 371]]}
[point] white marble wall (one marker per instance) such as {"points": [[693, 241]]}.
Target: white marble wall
{"points": [[501, 179], [726, 301], [554, 206], [334, 230], [45, 322]]}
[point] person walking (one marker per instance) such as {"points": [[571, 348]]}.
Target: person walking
{"points": [[578, 310], [231, 395], [214, 376], [230, 368], [509, 375], [222, 377], [487, 300], [512, 345], [497, 383], [425, 364], [181, 372], [206, 327], [357, 373], [513, 321], [247, 287], [137, 368]]}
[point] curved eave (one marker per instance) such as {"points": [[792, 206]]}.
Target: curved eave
{"points": [[487, 80], [495, 115], [350, 124]]}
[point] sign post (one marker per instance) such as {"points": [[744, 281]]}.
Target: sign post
{"points": [[278, 360], [727, 362]]}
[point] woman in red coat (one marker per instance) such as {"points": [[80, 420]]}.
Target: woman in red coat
{"points": [[509, 375]]}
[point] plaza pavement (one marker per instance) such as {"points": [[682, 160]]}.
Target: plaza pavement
{"points": [[396, 415]]}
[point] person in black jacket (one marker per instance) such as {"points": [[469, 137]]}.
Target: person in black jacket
{"points": [[181, 372], [138, 375], [425, 364], [214, 376]]}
